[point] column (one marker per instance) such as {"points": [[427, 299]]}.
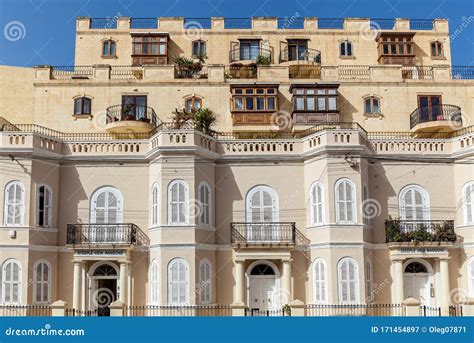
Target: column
{"points": [[286, 282], [76, 292], [445, 292], [123, 282], [239, 283], [83, 286], [397, 279]]}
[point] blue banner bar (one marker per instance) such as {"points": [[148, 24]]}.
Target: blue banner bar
{"points": [[237, 329]]}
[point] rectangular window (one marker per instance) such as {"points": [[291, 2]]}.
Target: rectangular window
{"points": [[312, 99], [255, 99], [148, 45]]}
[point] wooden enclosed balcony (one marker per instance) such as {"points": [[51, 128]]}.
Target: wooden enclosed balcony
{"points": [[103, 235], [416, 231], [266, 234], [130, 118], [441, 118]]}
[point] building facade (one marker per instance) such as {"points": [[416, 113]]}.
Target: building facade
{"points": [[338, 169]]}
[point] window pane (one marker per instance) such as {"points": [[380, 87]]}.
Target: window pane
{"points": [[239, 103], [349, 49], [332, 103], [112, 48], [299, 104], [310, 103], [78, 106], [249, 103], [260, 103], [321, 104], [368, 107], [105, 48], [271, 103]]}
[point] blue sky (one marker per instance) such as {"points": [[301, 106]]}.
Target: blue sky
{"points": [[47, 26]]}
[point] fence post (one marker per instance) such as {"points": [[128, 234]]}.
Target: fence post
{"points": [[238, 310], [468, 308], [412, 307], [58, 308], [116, 308], [297, 308]]}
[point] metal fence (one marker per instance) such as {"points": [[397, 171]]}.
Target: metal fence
{"points": [[178, 311], [427, 311], [255, 312], [25, 310], [372, 310], [72, 312]]}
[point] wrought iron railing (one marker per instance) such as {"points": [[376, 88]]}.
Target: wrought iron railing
{"points": [[263, 233], [436, 113], [25, 310], [178, 311], [108, 234], [456, 310], [280, 312], [131, 113], [72, 312], [420, 231], [250, 53], [308, 55], [428, 311], [324, 310]]}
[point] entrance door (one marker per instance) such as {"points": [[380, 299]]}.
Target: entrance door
{"points": [[262, 293], [430, 108], [416, 283], [262, 284], [105, 294]]}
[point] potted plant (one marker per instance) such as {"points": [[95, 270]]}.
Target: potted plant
{"points": [[187, 67], [263, 60]]}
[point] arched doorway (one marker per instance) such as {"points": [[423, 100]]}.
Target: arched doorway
{"points": [[417, 281], [103, 287], [263, 281]]}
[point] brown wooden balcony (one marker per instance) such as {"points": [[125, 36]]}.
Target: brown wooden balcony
{"points": [[130, 118], [85, 235], [398, 231], [444, 118], [257, 234]]}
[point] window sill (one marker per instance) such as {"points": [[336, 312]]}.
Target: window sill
{"points": [[439, 58], [347, 57], [82, 116], [109, 57], [373, 115]]}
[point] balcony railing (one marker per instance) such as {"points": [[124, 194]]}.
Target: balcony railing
{"points": [[240, 71], [105, 234], [436, 113], [249, 53], [304, 71], [308, 55], [420, 231], [131, 113], [278, 233]]}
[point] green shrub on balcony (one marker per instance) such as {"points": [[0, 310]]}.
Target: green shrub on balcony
{"points": [[442, 231]]}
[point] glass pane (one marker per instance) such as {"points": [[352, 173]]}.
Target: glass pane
{"points": [[260, 103], [249, 103], [270, 103], [368, 107], [321, 104], [299, 103], [105, 48], [332, 104], [239, 104], [310, 103], [112, 48]]}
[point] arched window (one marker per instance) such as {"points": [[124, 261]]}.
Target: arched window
{"points": [[14, 207], [372, 105], [319, 281], [317, 203], [42, 282], [199, 48], [154, 205], [204, 210], [368, 282], [193, 103], [11, 282], [205, 282], [437, 49], [178, 282], [414, 203], [44, 203], [345, 202], [107, 206], [178, 200], [154, 285], [470, 276], [348, 281], [468, 201], [109, 48], [415, 268], [82, 105], [345, 49], [262, 205]]}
